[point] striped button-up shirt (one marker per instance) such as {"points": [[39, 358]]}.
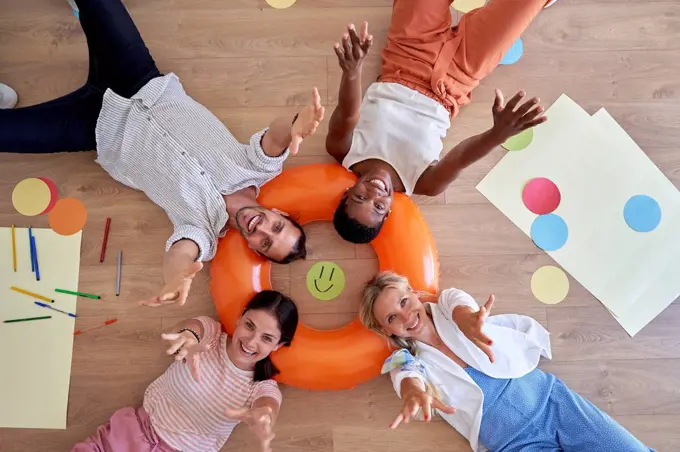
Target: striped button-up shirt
{"points": [[169, 146]]}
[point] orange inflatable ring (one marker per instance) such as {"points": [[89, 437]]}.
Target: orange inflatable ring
{"points": [[329, 359]]}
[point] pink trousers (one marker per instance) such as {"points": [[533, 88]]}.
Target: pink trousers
{"points": [[128, 430]]}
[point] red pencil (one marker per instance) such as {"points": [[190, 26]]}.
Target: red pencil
{"points": [[108, 322], [106, 238]]}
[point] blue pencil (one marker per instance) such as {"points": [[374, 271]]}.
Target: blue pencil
{"points": [[30, 247], [43, 305], [35, 258]]}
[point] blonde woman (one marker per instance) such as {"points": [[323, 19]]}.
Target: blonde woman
{"points": [[452, 354]]}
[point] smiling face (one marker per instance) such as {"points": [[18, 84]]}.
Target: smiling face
{"points": [[369, 200], [325, 280], [257, 334], [400, 313], [269, 232]]}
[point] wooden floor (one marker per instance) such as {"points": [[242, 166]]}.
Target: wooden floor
{"points": [[249, 63]]}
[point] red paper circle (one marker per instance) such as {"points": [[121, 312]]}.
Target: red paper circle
{"points": [[53, 191], [541, 196]]}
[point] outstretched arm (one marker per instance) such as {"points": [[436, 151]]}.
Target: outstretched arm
{"points": [[415, 398], [509, 120], [288, 132], [179, 269], [351, 54]]}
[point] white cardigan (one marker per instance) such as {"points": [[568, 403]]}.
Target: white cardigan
{"points": [[518, 344]]}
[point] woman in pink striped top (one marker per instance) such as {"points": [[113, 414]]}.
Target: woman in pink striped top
{"points": [[215, 382]]}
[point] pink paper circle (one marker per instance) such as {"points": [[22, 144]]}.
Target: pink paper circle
{"points": [[541, 196]]}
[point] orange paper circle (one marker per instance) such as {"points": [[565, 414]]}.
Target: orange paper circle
{"points": [[68, 216], [31, 196], [54, 194]]}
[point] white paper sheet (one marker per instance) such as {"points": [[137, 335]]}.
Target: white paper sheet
{"points": [[36, 363], [597, 168]]}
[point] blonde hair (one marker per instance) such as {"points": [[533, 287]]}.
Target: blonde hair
{"points": [[372, 290]]}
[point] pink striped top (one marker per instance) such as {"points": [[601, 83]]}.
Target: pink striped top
{"points": [[189, 415]]}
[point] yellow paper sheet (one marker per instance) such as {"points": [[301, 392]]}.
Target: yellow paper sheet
{"points": [[663, 285], [597, 168], [36, 364]]}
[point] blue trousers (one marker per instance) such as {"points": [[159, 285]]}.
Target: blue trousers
{"points": [[539, 413], [119, 60]]}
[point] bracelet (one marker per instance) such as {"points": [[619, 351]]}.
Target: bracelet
{"points": [[198, 339], [295, 117]]}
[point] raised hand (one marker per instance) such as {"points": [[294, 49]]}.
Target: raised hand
{"points": [[470, 324], [509, 119], [176, 290], [259, 420], [185, 346], [353, 49], [307, 121], [416, 399]]}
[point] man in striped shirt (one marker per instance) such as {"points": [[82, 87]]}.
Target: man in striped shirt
{"points": [[151, 136]]}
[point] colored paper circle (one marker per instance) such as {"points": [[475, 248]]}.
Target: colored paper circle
{"points": [[31, 197], [281, 4], [549, 232], [325, 280], [550, 285], [541, 196], [68, 216], [54, 191], [642, 213], [465, 6], [519, 141], [514, 53]]}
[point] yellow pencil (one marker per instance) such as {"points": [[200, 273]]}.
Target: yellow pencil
{"points": [[14, 250], [31, 294]]}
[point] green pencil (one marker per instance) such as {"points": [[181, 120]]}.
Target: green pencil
{"points": [[78, 294], [28, 319]]}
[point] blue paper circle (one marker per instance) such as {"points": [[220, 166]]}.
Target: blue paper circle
{"points": [[549, 232], [514, 53], [642, 213]]}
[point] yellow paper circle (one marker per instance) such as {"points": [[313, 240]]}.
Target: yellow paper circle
{"points": [[31, 197], [550, 284], [465, 6], [281, 4]]}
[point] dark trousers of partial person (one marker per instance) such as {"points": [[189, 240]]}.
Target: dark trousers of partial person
{"points": [[119, 60]]}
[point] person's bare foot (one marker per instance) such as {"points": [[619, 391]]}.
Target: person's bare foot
{"points": [[8, 97]]}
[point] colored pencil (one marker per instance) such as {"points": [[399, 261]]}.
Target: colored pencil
{"points": [[30, 247], [108, 322], [35, 258], [106, 239], [78, 294], [14, 250], [27, 319], [31, 294], [120, 262], [43, 305]]}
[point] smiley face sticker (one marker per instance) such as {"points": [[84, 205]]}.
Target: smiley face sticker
{"points": [[325, 280]]}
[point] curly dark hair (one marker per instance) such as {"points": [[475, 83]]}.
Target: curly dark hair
{"points": [[350, 229]]}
